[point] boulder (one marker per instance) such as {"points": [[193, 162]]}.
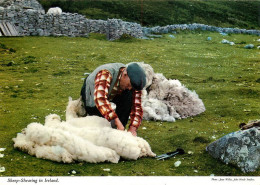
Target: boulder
{"points": [[241, 148]]}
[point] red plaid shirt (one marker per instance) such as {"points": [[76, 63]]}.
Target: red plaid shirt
{"points": [[102, 84]]}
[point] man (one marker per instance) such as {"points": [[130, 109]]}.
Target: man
{"points": [[121, 85]]}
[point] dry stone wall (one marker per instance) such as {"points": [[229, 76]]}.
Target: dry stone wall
{"points": [[22, 4], [116, 28], [195, 26], [31, 22], [30, 19]]}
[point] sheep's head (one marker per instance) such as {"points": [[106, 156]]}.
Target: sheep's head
{"points": [[75, 109]]}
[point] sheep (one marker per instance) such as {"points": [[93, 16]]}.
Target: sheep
{"points": [[80, 139], [75, 147], [76, 110], [55, 11], [102, 135]]}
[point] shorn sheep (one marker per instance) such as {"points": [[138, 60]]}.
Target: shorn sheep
{"points": [[55, 11], [89, 139]]}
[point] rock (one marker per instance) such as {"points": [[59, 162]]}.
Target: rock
{"points": [[241, 148], [22, 4], [190, 152], [249, 46], [2, 169], [40, 32], [224, 41], [177, 163]]}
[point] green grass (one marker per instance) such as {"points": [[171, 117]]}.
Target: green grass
{"points": [[43, 72], [221, 13]]}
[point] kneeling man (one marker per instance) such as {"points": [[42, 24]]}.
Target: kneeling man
{"points": [[121, 85]]}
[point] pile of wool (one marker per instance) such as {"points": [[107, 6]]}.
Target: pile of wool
{"points": [[89, 139], [166, 100]]}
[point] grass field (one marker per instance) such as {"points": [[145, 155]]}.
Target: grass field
{"points": [[38, 74]]}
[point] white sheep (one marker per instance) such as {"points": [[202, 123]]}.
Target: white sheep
{"points": [[55, 11], [70, 146], [89, 139], [92, 129]]}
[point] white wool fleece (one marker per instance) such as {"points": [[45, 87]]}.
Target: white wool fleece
{"points": [[126, 145], [73, 141], [167, 100], [80, 149]]}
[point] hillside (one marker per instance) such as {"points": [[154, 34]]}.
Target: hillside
{"points": [[241, 14]]}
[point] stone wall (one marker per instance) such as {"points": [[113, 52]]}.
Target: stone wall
{"points": [[116, 28], [30, 19], [195, 26], [31, 22], [22, 4]]}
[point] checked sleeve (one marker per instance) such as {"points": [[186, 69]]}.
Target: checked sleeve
{"points": [[102, 83], [136, 114]]}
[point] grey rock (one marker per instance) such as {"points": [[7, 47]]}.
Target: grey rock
{"points": [[241, 148], [249, 46]]}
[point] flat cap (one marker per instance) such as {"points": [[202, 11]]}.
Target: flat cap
{"points": [[137, 76]]}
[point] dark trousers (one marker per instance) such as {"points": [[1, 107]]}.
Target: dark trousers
{"points": [[123, 106]]}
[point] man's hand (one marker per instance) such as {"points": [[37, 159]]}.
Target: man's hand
{"points": [[119, 125], [132, 129]]}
